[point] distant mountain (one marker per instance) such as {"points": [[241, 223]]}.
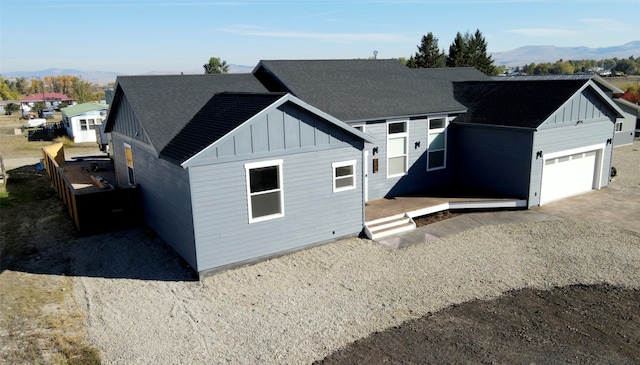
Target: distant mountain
{"points": [[540, 54], [100, 77]]}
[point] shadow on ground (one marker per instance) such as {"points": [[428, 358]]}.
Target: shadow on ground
{"points": [[579, 324], [38, 236]]}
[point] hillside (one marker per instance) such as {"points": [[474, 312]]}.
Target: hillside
{"points": [[538, 54]]}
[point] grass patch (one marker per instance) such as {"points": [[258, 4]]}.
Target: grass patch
{"points": [[37, 323], [66, 141]]}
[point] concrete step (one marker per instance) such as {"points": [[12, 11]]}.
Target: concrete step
{"points": [[389, 226]]}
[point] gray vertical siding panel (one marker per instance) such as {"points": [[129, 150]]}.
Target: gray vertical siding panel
{"points": [[163, 190], [275, 123], [494, 159], [313, 212]]}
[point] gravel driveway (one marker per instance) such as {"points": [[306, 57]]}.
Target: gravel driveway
{"points": [[142, 306]]}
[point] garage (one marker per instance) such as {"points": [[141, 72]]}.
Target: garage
{"points": [[570, 173]]}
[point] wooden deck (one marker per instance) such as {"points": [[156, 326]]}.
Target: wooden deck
{"points": [[433, 201]]}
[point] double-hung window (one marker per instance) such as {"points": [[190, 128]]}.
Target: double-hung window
{"points": [[397, 139], [264, 190], [436, 150], [344, 175]]}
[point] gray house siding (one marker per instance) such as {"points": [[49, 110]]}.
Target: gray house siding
{"points": [[128, 124], [163, 187], [563, 139], [313, 213], [627, 134], [287, 129], [584, 120], [493, 158], [417, 177]]}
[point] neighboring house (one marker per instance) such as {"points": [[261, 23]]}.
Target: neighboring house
{"points": [[83, 122], [50, 100], [232, 177], [4, 103], [234, 168]]}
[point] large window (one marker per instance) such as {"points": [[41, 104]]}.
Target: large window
{"points": [[264, 190], [397, 138], [436, 150], [344, 175]]}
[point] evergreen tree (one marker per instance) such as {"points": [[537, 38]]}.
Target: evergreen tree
{"points": [[457, 52], [429, 54], [470, 51], [216, 66]]}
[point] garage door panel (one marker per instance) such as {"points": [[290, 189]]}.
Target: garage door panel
{"points": [[569, 175]]}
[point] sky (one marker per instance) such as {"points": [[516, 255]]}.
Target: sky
{"points": [[141, 36]]}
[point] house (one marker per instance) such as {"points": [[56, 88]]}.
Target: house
{"points": [[235, 168], [233, 177], [50, 100], [83, 122]]}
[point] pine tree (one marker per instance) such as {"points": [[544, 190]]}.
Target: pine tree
{"points": [[429, 54], [470, 51], [458, 52]]}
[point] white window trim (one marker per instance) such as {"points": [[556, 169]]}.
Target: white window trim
{"points": [[404, 135], [256, 165], [435, 131], [335, 165], [619, 126], [360, 125]]}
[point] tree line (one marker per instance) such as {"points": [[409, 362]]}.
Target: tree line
{"points": [[80, 90], [470, 50]]}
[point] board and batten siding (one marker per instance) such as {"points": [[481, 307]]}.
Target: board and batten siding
{"points": [[313, 213], [308, 145], [417, 177], [493, 158], [127, 122], [165, 194], [585, 120], [286, 129]]}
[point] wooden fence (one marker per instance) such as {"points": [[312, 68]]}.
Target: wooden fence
{"points": [[102, 211]]}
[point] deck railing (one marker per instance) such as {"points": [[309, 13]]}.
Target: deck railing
{"points": [[94, 212]]}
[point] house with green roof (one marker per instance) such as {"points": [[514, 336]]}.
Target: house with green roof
{"points": [[83, 122]]}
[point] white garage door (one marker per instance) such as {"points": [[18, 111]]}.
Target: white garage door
{"points": [[569, 175]]}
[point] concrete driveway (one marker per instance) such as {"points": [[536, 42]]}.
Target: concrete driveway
{"points": [[619, 206]]}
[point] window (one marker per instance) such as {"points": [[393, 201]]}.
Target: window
{"points": [[619, 127], [87, 124], [344, 175], [437, 143], [397, 138], [129, 157], [264, 190]]}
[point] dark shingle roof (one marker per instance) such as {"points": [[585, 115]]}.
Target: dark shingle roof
{"points": [[358, 89], [452, 74], [165, 104], [523, 104], [219, 116]]}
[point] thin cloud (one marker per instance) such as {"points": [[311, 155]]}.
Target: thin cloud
{"points": [[326, 37]]}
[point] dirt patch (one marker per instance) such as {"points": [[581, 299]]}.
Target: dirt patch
{"points": [[576, 324], [433, 218], [40, 321]]}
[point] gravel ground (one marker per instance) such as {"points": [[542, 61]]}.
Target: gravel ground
{"points": [[142, 306]]}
